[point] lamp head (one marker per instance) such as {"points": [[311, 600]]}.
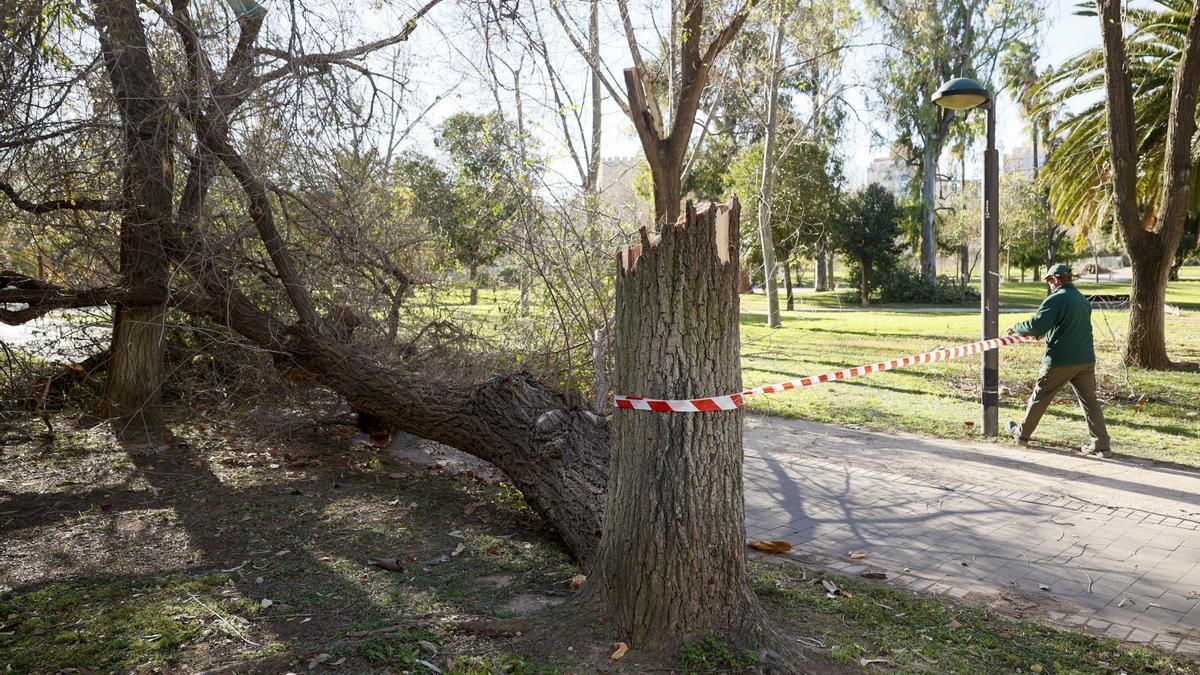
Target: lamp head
{"points": [[961, 93]]}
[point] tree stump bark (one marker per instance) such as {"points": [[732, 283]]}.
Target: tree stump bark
{"points": [[672, 561]]}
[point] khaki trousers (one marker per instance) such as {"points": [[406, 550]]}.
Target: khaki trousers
{"points": [[1082, 379]]}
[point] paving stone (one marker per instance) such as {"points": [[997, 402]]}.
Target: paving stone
{"points": [[1141, 635], [1011, 516]]}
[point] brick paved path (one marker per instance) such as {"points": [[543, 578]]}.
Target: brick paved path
{"points": [[1111, 547]]}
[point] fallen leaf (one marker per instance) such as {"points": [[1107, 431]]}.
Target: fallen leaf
{"points": [[1037, 668], [391, 564], [953, 624], [266, 602], [106, 507], [469, 509], [856, 555], [873, 575], [771, 546], [493, 550], [621, 648], [577, 581], [969, 424]]}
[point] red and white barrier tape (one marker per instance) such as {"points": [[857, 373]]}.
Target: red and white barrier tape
{"points": [[735, 401]]}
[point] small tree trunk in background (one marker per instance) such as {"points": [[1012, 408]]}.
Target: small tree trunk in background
{"points": [[865, 282], [672, 560], [929, 165], [964, 271], [820, 274], [829, 275], [766, 186], [473, 274], [787, 281]]}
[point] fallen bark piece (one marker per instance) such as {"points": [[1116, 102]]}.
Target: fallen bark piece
{"points": [[390, 564], [620, 648], [771, 546]]}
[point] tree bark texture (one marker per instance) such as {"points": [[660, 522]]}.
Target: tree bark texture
{"points": [[1146, 345], [131, 391], [672, 562]]}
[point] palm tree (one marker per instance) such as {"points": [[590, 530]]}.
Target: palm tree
{"points": [[1079, 171]]}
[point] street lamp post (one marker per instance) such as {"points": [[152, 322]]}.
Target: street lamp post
{"points": [[964, 94]]}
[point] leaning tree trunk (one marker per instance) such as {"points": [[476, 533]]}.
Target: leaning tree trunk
{"points": [[473, 276], [1146, 345], [672, 558]]}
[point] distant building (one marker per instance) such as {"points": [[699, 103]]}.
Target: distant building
{"points": [[1020, 160], [891, 172]]}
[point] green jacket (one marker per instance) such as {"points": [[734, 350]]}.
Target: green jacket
{"points": [[1065, 319]]}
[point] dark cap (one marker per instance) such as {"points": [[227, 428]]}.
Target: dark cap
{"points": [[1062, 270]]}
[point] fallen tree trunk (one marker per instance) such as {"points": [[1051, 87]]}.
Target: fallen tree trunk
{"points": [[554, 451]]}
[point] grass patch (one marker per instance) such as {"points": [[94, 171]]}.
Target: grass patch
{"points": [[908, 633], [117, 626], [712, 655]]}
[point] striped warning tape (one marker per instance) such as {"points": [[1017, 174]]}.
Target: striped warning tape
{"points": [[735, 401]]}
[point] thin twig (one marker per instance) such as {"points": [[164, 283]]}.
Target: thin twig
{"points": [[225, 621]]}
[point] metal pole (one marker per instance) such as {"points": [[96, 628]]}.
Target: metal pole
{"points": [[989, 299]]}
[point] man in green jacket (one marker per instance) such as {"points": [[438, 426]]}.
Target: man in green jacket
{"points": [[1065, 319]]}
